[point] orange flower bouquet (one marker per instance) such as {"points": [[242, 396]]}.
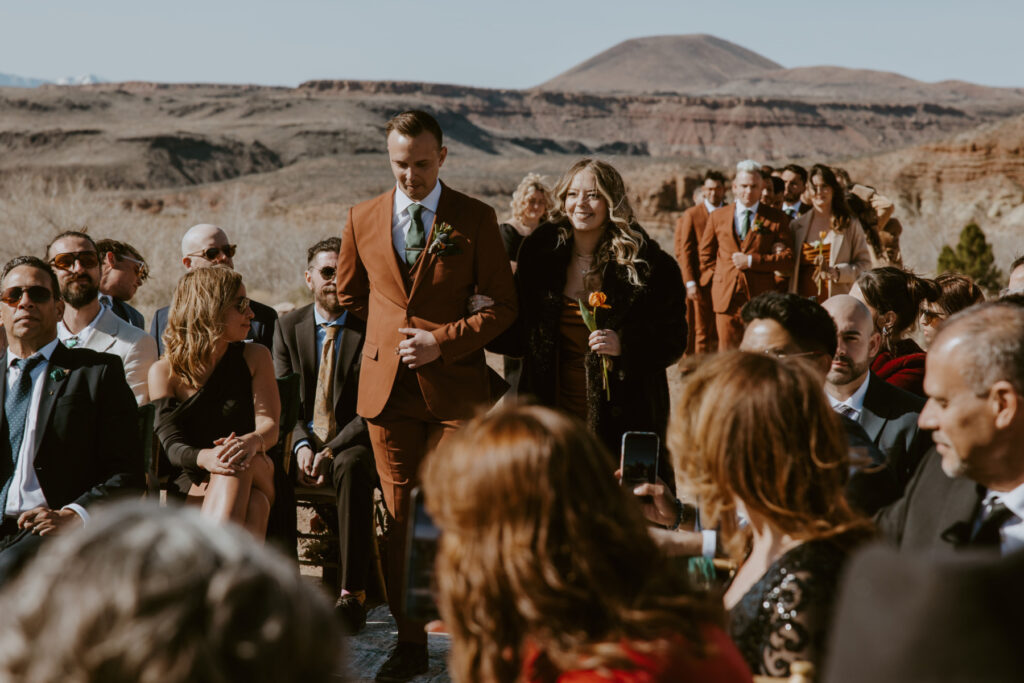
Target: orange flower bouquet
{"points": [[596, 300]]}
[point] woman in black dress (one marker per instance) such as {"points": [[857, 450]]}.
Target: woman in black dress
{"points": [[755, 441], [217, 400]]}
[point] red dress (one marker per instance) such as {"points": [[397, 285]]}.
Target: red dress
{"points": [[722, 663], [903, 367]]}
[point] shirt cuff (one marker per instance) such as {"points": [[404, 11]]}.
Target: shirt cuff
{"points": [[300, 444], [78, 510], [709, 544], [750, 260], [691, 283]]}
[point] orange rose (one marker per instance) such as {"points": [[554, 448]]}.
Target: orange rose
{"points": [[597, 299]]}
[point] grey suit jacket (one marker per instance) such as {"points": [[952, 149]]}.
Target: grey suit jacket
{"points": [[135, 348], [890, 420]]}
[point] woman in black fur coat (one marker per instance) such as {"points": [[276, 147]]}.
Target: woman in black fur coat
{"points": [[594, 244]]}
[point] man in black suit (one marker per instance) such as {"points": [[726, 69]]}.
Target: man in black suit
{"points": [[68, 419], [124, 271], [969, 490], [206, 245], [322, 343], [888, 414]]}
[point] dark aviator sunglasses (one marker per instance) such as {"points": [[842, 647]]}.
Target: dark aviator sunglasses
{"points": [[210, 253], [37, 294], [66, 261]]}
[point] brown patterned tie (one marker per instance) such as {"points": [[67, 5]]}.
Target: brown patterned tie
{"points": [[324, 423]]}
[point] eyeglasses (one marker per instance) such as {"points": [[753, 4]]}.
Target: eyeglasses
{"points": [[139, 267], [37, 294], [327, 272], [210, 253], [929, 317], [66, 261], [242, 305]]}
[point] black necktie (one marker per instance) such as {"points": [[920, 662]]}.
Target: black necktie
{"points": [[16, 412], [987, 535]]}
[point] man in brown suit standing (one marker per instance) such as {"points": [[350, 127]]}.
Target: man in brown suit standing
{"points": [[700, 318], [409, 261], [742, 247]]}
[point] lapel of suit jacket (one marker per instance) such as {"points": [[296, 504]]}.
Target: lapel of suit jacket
{"points": [[54, 380], [380, 226], [427, 258], [837, 244], [350, 338], [732, 228], [103, 334], [305, 344], [872, 422], [3, 393]]}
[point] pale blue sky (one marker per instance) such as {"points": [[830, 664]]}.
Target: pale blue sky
{"points": [[511, 44]]}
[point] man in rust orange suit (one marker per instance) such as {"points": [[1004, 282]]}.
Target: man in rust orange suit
{"points": [[742, 247], [410, 260], [700, 317]]}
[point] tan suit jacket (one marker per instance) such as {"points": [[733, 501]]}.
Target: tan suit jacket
{"points": [[371, 286], [689, 229], [849, 253], [769, 243]]}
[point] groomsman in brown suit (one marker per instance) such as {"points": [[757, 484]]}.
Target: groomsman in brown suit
{"points": [[742, 247], [700, 318], [410, 259]]}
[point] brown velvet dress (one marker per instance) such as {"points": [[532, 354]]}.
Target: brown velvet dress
{"points": [[573, 347]]}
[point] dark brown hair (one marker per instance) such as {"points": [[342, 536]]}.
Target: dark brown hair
{"points": [[841, 213], [957, 292], [893, 289], [414, 122]]}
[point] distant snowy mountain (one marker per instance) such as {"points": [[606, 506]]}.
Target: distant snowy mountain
{"points": [[85, 79], [12, 81]]}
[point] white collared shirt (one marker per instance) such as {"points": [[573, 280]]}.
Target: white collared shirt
{"points": [[792, 207], [855, 402], [63, 333], [1012, 531], [25, 492], [710, 207], [737, 217], [400, 219]]}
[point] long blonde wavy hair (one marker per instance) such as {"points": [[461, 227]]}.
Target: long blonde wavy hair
{"points": [[533, 182], [759, 430], [195, 321], [543, 552], [622, 238]]}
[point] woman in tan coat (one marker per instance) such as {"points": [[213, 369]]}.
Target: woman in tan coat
{"points": [[833, 244]]}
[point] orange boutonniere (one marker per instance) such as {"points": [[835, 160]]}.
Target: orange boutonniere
{"points": [[596, 300]]}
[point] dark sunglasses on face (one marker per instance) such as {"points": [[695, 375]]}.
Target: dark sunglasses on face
{"points": [[37, 294], [66, 261], [211, 253], [327, 272], [242, 305]]}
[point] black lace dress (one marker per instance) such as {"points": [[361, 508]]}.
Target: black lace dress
{"points": [[221, 406], [785, 616]]}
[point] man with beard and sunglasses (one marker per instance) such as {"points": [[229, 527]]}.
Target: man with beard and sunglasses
{"points": [[206, 245], [88, 324], [888, 414], [322, 343]]}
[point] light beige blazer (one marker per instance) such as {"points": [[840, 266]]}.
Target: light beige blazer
{"points": [[849, 253]]}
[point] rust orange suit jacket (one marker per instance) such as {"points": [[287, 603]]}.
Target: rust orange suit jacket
{"points": [[371, 286], [689, 229], [769, 242]]}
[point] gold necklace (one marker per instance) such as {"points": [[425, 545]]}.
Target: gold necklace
{"points": [[588, 259]]}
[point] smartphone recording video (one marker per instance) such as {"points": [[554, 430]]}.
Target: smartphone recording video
{"points": [[639, 463]]}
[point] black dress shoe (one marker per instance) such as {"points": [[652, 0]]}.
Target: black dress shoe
{"points": [[351, 614], [406, 660]]}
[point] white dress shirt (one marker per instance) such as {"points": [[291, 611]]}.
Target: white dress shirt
{"points": [[63, 333], [710, 207], [1011, 533], [855, 402], [401, 221], [25, 492]]}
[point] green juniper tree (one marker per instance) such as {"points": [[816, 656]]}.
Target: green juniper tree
{"points": [[972, 257]]}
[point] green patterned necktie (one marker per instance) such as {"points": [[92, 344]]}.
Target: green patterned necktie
{"points": [[745, 224], [415, 238]]}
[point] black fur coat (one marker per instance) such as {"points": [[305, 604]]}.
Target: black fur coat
{"points": [[650, 321]]}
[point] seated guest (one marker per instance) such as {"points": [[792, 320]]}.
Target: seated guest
{"points": [[206, 245], [956, 292], [69, 418], [783, 325], [613, 377], [753, 437], [124, 271], [544, 569], [217, 400], [89, 325], [894, 298], [969, 491], [158, 594], [836, 232], [888, 414], [322, 343]]}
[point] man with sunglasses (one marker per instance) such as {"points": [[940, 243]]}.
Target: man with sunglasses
{"points": [[124, 271], [322, 343], [68, 421], [206, 245], [86, 323]]}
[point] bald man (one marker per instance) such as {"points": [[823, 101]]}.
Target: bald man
{"points": [[887, 413], [205, 245]]}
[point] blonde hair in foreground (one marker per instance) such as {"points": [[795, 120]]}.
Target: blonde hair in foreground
{"points": [[195, 321], [144, 594], [540, 545], [759, 430], [622, 239]]}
